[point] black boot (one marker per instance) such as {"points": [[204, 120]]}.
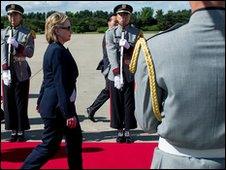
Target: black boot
{"points": [[90, 114], [21, 136], [128, 137], [120, 137], [13, 137]]}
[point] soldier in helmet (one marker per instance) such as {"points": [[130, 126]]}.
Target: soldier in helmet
{"points": [[120, 42], [189, 66], [17, 43]]}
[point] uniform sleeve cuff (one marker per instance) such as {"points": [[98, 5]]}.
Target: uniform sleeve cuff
{"points": [[5, 66], [116, 71], [20, 49]]}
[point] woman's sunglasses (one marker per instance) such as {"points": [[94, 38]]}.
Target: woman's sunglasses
{"points": [[66, 28]]}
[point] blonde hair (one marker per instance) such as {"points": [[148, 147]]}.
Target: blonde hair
{"points": [[52, 21]]}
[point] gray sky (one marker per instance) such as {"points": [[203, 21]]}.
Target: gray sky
{"points": [[74, 6]]}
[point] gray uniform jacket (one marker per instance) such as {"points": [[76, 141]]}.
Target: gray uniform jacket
{"points": [[190, 73], [104, 64], [113, 49], [26, 43]]}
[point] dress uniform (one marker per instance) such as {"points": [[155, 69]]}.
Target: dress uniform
{"points": [[122, 100], [16, 74], [189, 64], [104, 66]]}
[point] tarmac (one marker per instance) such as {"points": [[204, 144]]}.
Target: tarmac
{"points": [[87, 52]]}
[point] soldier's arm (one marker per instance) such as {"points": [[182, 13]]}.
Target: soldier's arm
{"points": [[104, 50], [112, 52], [143, 104], [27, 49], [4, 51]]}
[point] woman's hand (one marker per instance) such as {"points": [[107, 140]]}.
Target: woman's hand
{"points": [[71, 122]]}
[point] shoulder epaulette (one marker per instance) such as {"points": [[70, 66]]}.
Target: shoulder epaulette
{"points": [[177, 25], [3, 34], [111, 29], [142, 44], [6, 29], [33, 34]]}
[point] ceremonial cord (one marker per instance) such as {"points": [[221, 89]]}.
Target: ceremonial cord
{"points": [[141, 43], [36, 73]]}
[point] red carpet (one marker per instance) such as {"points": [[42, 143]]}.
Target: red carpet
{"points": [[96, 155]]}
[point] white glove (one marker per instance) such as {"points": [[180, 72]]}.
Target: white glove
{"points": [[6, 77], [124, 43], [117, 82], [12, 41]]}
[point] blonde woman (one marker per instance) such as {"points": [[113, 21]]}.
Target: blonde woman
{"points": [[57, 97]]}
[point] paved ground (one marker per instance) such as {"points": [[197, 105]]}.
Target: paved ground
{"points": [[86, 49]]}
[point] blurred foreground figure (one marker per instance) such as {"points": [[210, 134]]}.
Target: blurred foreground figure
{"points": [[188, 108]]}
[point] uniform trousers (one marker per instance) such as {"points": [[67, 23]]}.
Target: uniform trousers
{"points": [[101, 98], [163, 160], [2, 115], [122, 105], [15, 104], [54, 130]]}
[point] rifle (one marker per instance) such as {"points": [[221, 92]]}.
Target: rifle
{"points": [[121, 58], [6, 75], [10, 52]]}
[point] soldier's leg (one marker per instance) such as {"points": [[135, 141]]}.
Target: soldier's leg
{"points": [[21, 93], [10, 111], [99, 101], [129, 105], [9, 106], [2, 115], [116, 111]]}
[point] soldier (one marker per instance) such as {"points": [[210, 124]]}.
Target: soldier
{"points": [[188, 109], [121, 80], [17, 44], [104, 66]]}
